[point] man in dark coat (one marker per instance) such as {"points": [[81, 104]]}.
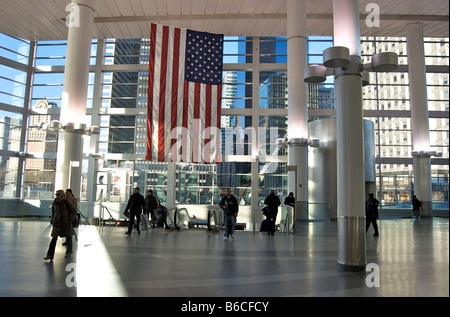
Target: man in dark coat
{"points": [[63, 213], [272, 201], [230, 208], [150, 205], [372, 213], [416, 206], [136, 204]]}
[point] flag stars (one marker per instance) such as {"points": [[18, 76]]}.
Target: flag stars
{"points": [[204, 57]]}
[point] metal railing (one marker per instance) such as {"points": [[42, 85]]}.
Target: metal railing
{"points": [[287, 224], [170, 218], [182, 219], [102, 219], [177, 218], [215, 219]]}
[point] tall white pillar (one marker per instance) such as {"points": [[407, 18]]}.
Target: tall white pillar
{"points": [[297, 106], [73, 104], [91, 186], [350, 141], [255, 169], [171, 184], [419, 116]]}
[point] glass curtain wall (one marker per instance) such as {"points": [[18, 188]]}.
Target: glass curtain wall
{"points": [[16, 55], [254, 111]]}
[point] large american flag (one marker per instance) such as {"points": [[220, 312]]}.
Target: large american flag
{"points": [[184, 95]]}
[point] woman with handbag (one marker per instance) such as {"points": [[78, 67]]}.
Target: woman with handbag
{"points": [[63, 213]]}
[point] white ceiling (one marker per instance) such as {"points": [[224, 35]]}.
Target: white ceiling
{"points": [[44, 19]]}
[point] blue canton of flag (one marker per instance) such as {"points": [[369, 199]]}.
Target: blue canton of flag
{"points": [[204, 57]]}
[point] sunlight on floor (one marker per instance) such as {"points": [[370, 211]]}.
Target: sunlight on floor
{"points": [[95, 272]]}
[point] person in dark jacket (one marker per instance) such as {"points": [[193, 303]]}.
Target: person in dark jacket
{"points": [[150, 206], [63, 213], [230, 208], [161, 213], [136, 205], [372, 213], [272, 201], [416, 206], [290, 200]]}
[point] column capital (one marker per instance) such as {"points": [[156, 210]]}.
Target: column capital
{"points": [[85, 3]]}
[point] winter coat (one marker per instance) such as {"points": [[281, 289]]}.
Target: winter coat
{"points": [[272, 201], [372, 208], [416, 204], [63, 213], [289, 201], [135, 204], [73, 200], [231, 204], [150, 204]]}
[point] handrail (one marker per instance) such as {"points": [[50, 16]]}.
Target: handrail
{"points": [[174, 209], [85, 219], [287, 220], [177, 212], [101, 216]]}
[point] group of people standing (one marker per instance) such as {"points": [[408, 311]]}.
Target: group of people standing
{"points": [[229, 204], [230, 207], [148, 206]]}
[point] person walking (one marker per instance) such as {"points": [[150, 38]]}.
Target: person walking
{"points": [[272, 201], [150, 206], [136, 205], [372, 213], [70, 197], [63, 213], [416, 206], [230, 208]]}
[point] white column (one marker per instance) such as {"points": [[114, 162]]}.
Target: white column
{"points": [[171, 184], [419, 116], [346, 25], [73, 104], [91, 190], [350, 141], [297, 106], [256, 210]]}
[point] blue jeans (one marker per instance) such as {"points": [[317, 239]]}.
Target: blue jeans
{"points": [[230, 223]]}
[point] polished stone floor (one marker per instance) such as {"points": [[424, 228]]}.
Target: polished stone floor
{"points": [[411, 256]]}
